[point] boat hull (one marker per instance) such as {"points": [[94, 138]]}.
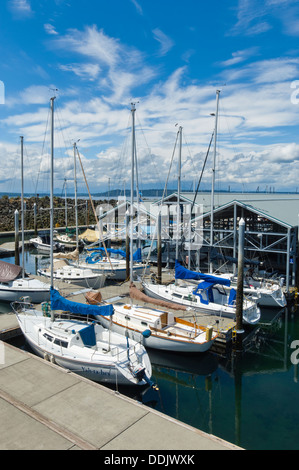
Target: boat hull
{"points": [[104, 373], [118, 271], [251, 316], [93, 282], [155, 341], [14, 290], [106, 367]]}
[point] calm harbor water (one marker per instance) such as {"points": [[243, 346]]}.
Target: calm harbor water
{"points": [[249, 398]]}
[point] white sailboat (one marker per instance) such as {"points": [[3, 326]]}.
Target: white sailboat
{"points": [[42, 243], [73, 273], [14, 282], [210, 296], [83, 347], [266, 293], [158, 329], [14, 285], [114, 267]]}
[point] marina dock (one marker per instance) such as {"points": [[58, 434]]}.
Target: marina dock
{"points": [[46, 407]]}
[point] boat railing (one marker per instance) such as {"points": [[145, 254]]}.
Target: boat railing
{"points": [[21, 307]]}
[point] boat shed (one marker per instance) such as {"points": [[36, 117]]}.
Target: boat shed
{"points": [[271, 227]]}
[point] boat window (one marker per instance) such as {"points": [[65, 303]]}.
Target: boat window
{"points": [[127, 317], [177, 295], [144, 323], [60, 342], [48, 337]]}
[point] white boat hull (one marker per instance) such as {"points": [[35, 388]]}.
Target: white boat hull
{"points": [[251, 314], [163, 344], [105, 367], [115, 270], [167, 340], [76, 277], [28, 287]]}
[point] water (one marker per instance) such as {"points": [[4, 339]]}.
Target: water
{"points": [[249, 399]]}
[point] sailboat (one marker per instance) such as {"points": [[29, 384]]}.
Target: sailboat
{"points": [[266, 292], [207, 297], [156, 328], [212, 294], [14, 282], [115, 266], [73, 273], [83, 347], [42, 243]]}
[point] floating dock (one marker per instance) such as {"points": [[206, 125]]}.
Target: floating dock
{"points": [[46, 407]]}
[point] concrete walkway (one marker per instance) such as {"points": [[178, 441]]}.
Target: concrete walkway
{"points": [[42, 406]]}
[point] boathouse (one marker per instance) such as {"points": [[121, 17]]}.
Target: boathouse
{"points": [[271, 227]]}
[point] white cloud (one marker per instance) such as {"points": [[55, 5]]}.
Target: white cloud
{"points": [[137, 6], [165, 42], [49, 28], [85, 71], [239, 56], [20, 8], [255, 17]]}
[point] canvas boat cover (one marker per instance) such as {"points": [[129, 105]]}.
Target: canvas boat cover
{"points": [[74, 255], [183, 273], [136, 294], [9, 272], [90, 235], [60, 303]]}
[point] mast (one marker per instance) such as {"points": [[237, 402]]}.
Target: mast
{"points": [[179, 195], [213, 178], [178, 232], [76, 202], [133, 109], [52, 197], [22, 205]]}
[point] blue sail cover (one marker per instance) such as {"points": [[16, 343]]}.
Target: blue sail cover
{"points": [[183, 273], [60, 303], [136, 255]]}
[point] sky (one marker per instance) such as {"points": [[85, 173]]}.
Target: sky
{"points": [[167, 57]]}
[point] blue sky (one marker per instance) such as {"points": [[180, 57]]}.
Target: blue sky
{"points": [[169, 57]]}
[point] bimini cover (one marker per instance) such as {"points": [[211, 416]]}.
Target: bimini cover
{"points": [[183, 273], [60, 303], [8, 271]]}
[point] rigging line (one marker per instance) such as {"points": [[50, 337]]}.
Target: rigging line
{"points": [[165, 187], [93, 208], [68, 145], [43, 147], [148, 148], [198, 184]]}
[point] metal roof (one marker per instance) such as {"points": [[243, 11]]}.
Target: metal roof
{"points": [[283, 208]]}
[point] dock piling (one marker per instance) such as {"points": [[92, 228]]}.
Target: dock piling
{"points": [[240, 281]]}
